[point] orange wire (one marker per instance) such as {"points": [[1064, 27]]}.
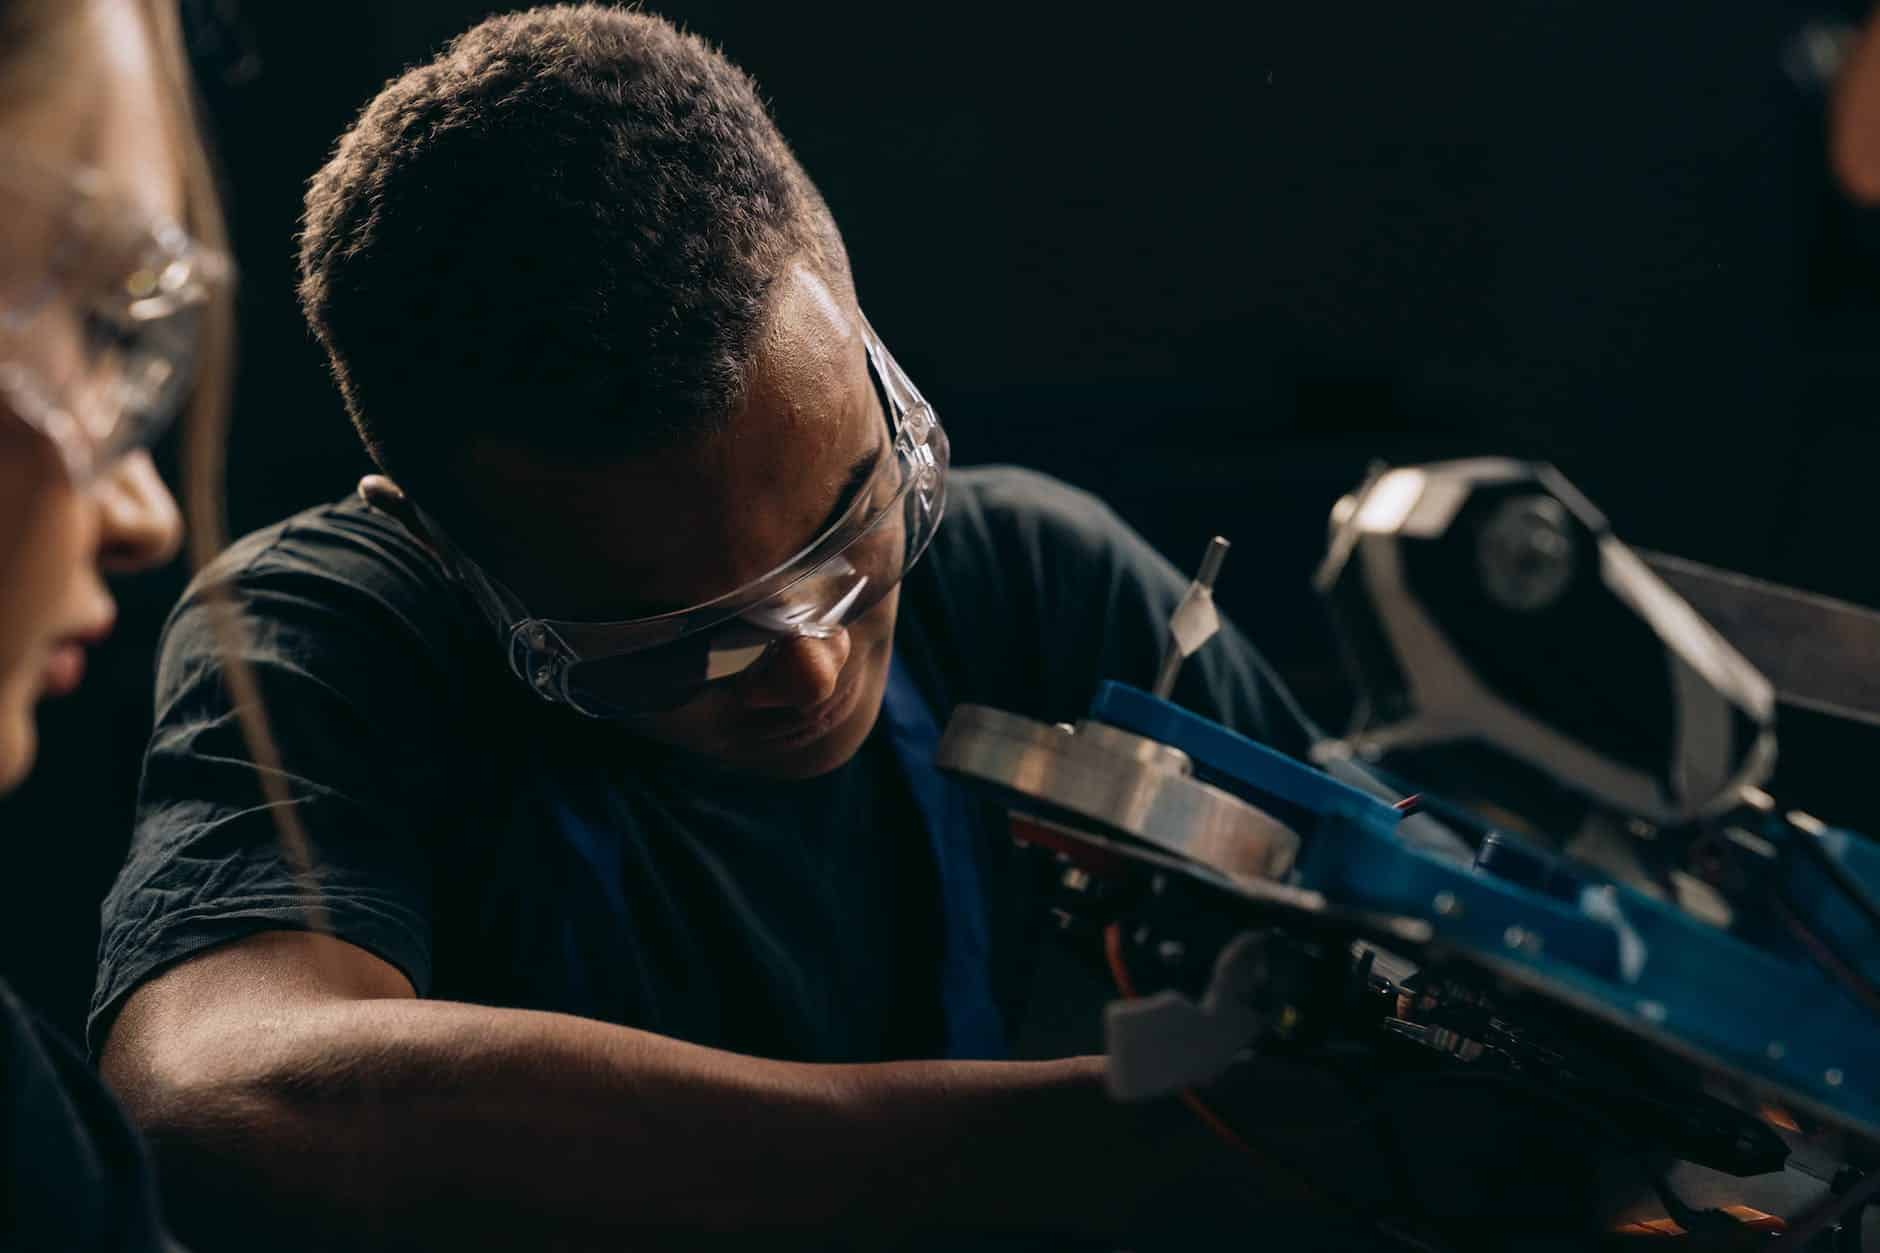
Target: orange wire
{"points": [[1113, 951], [1213, 1122], [1119, 971], [1306, 1189]]}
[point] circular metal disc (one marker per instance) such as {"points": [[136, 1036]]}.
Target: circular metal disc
{"points": [[1129, 784]]}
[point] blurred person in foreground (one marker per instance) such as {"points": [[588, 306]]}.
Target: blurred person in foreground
{"points": [[111, 289], [610, 710]]}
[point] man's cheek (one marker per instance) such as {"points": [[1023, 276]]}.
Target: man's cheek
{"points": [[684, 726], [877, 625]]}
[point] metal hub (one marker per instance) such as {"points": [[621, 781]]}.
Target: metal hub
{"points": [[1128, 784]]}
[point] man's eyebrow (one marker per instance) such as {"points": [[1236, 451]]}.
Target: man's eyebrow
{"points": [[852, 484]]}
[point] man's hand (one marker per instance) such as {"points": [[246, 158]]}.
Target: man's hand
{"points": [[298, 1075]]}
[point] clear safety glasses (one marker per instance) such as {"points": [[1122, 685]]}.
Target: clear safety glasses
{"points": [[649, 665], [101, 313]]}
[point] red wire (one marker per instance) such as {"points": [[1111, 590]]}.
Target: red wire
{"points": [[1850, 978]]}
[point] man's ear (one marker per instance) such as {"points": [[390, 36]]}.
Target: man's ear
{"points": [[388, 497]]}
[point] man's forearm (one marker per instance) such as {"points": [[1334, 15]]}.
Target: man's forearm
{"points": [[402, 1120]]}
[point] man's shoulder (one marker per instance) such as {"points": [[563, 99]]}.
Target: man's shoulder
{"points": [[341, 569], [1026, 579], [345, 540], [1017, 511], [1009, 494]]}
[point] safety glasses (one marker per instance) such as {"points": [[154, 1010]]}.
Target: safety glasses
{"points": [[650, 665], [101, 313]]}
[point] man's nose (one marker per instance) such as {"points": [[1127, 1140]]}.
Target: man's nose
{"points": [[139, 525], [800, 672]]}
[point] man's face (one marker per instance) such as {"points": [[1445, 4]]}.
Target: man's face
{"points": [[675, 528]]}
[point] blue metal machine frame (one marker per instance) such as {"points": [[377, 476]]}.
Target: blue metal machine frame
{"points": [[1764, 1011]]}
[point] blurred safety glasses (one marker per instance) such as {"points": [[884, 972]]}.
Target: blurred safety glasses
{"points": [[102, 310]]}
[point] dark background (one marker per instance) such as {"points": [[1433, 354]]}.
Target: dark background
{"points": [[1206, 269]]}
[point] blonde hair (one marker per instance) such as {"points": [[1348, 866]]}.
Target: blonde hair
{"points": [[205, 444]]}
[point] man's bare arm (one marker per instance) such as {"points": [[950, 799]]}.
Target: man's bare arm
{"points": [[301, 1071]]}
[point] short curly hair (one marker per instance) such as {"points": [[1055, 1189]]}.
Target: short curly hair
{"points": [[563, 232]]}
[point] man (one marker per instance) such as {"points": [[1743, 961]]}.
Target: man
{"points": [[610, 711]]}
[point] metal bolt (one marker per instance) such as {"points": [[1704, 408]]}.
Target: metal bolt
{"points": [[1077, 879], [1834, 1077], [1520, 938], [538, 638], [1651, 1011], [1447, 905], [1171, 951], [1776, 1050], [543, 676]]}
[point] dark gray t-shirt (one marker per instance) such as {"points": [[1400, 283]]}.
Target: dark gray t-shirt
{"points": [[455, 817], [74, 1177]]}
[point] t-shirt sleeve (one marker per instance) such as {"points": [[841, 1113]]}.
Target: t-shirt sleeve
{"points": [[1087, 599], [351, 680]]}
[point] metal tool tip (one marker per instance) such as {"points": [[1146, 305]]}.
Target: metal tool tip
{"points": [[1211, 561]]}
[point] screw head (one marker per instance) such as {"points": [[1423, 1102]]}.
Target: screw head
{"points": [[1446, 904], [1522, 940], [1834, 1076]]}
